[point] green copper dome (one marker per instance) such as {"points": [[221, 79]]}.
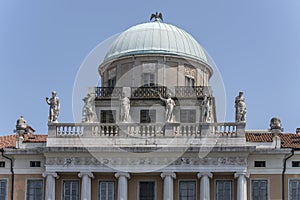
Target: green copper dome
{"points": [[155, 38]]}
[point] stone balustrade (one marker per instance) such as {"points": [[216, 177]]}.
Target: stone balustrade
{"points": [[140, 130], [152, 92]]}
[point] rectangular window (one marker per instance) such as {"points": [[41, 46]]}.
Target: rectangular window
{"points": [[147, 190], [71, 190], [224, 190], [189, 82], [108, 116], [35, 163], [34, 190], [294, 189], [259, 189], [3, 189], [106, 190], [147, 116], [148, 79], [2, 164], [111, 82], [188, 116], [295, 163], [187, 190], [259, 163]]}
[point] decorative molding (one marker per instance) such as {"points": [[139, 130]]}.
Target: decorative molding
{"points": [[216, 161], [164, 174], [89, 174], [202, 174], [54, 174], [238, 174], [190, 71], [119, 174]]}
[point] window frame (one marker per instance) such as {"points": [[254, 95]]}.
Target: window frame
{"points": [[262, 179], [260, 161], [107, 180], [146, 180], [289, 180], [2, 162], [216, 190], [295, 161], [62, 187], [190, 81], [188, 180], [6, 180], [35, 179], [35, 162], [189, 111], [149, 111], [152, 77], [114, 115]]}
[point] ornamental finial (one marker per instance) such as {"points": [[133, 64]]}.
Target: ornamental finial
{"points": [[157, 17]]}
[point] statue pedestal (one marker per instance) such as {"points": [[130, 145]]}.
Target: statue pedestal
{"points": [[170, 128]]}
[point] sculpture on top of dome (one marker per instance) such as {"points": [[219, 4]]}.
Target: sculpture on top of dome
{"points": [[157, 16]]}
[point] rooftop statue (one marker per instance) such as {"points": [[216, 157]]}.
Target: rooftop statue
{"points": [[206, 110], [170, 104], [125, 108], [240, 108], [157, 16], [88, 111], [54, 109]]}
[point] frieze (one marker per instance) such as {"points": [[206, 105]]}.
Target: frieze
{"points": [[188, 161]]}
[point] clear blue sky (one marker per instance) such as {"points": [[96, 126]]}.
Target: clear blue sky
{"points": [[255, 44]]}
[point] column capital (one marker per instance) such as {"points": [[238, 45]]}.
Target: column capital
{"points": [[238, 174], [164, 174], [89, 174], [201, 174], [118, 174], [53, 174]]}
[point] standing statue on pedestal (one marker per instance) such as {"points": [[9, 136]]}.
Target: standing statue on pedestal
{"points": [[240, 108], [125, 108], [206, 110], [88, 111], [54, 104], [170, 104]]}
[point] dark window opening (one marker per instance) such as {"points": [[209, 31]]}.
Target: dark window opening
{"points": [[111, 82], [295, 163], [147, 116], [108, 116], [2, 164], [35, 163], [189, 82], [259, 163], [146, 191]]}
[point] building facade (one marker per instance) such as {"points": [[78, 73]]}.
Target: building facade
{"points": [[151, 132]]}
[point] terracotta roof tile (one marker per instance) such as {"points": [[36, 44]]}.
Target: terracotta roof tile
{"points": [[288, 140], [9, 141], [259, 137]]}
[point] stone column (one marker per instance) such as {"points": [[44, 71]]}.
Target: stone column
{"points": [[204, 185], [86, 183], [50, 184], [241, 185], [122, 185], [168, 184]]}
